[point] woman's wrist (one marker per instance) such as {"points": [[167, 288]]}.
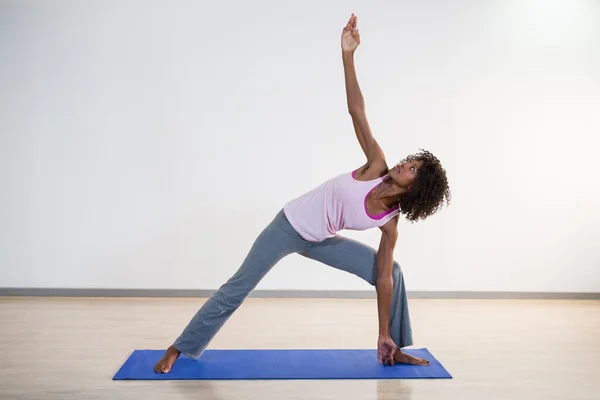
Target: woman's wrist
{"points": [[348, 54]]}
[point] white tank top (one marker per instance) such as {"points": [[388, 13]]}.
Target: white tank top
{"points": [[339, 203]]}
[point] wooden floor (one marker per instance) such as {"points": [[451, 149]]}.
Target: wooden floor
{"points": [[69, 348]]}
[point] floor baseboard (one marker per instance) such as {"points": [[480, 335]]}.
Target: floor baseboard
{"points": [[303, 294]]}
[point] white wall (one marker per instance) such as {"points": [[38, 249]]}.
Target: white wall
{"points": [[145, 144]]}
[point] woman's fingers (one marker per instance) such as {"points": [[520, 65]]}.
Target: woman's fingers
{"points": [[351, 22], [348, 25]]}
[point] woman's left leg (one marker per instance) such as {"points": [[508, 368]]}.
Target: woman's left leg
{"points": [[361, 260]]}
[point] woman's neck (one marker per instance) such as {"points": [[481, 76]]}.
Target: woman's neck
{"points": [[388, 192]]}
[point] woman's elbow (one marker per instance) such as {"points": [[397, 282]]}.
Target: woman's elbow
{"points": [[384, 282]]}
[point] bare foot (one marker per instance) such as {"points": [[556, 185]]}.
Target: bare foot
{"points": [[166, 362], [403, 358]]}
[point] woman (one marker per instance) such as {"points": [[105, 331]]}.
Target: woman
{"points": [[371, 196]]}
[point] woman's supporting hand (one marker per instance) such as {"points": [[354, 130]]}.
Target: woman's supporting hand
{"points": [[386, 348]]}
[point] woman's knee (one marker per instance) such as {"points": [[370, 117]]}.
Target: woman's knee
{"points": [[397, 273], [229, 297]]}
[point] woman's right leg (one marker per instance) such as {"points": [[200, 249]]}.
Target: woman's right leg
{"points": [[276, 241]]}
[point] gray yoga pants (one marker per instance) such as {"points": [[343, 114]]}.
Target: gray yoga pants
{"points": [[276, 241]]}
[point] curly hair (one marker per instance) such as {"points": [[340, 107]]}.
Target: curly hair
{"points": [[429, 190]]}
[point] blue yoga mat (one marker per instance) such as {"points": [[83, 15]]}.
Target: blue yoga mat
{"points": [[279, 364]]}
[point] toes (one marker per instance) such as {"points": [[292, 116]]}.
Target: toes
{"points": [[164, 369], [161, 369]]}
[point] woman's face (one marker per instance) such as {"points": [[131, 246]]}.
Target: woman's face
{"points": [[405, 172]]}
